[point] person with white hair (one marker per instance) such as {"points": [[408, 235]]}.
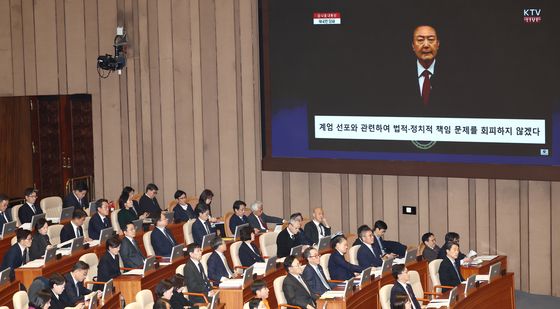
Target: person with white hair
{"points": [[259, 220]]}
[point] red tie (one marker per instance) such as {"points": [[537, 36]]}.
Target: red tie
{"points": [[426, 87]]}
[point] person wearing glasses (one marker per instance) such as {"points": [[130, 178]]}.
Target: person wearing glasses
{"points": [[295, 290], [18, 253], [29, 208], [313, 274], [400, 273], [149, 203], [183, 211]]}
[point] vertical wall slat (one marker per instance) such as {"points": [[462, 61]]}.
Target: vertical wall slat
{"points": [[458, 209], [75, 46], [539, 237], [408, 224], [299, 193], [438, 207], [507, 223], [29, 56], [331, 197], [16, 18], [61, 46], [7, 76], [272, 197], [391, 206], [555, 237], [46, 47], [424, 207]]}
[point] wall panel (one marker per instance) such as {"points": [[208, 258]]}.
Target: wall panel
{"points": [[539, 237], [46, 43], [507, 223], [408, 225], [6, 79]]}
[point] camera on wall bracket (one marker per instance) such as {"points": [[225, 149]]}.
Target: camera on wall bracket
{"points": [[108, 63]]}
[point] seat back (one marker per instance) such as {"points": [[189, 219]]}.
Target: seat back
{"points": [[15, 216], [353, 254], [245, 306], [324, 262], [147, 239], [180, 269], [85, 226], [280, 298], [385, 296], [13, 240], [171, 205], [187, 231], [234, 253], [414, 280], [133, 305], [92, 260], [204, 262], [20, 300], [267, 242], [145, 298], [6, 307], [54, 233], [433, 269], [52, 206], [228, 216], [115, 221]]}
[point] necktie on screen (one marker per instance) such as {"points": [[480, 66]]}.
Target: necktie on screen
{"points": [[426, 87]]}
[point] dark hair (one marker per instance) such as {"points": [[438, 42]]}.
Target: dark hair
{"points": [[452, 236], [295, 215], [363, 231], [204, 195], [29, 191], [380, 225], [39, 224], [4, 197], [127, 224], [123, 198], [397, 269], [335, 241], [427, 236], [288, 261], [448, 245], [177, 280], [237, 204], [41, 299], [151, 187], [113, 242], [127, 190], [162, 303], [362, 227], [307, 252], [80, 186], [80, 265], [178, 194], [191, 247], [401, 298], [163, 286], [57, 279], [257, 285], [79, 213], [245, 233], [99, 203], [201, 208], [22, 234], [216, 242]]}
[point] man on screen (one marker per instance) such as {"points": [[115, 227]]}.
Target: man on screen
{"points": [[425, 44]]}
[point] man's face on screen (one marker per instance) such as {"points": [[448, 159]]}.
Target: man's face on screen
{"points": [[425, 44]]}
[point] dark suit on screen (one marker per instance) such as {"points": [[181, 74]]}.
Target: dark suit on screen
{"points": [[340, 269], [449, 274], [96, 225], [367, 258], [162, 243], [234, 221], [312, 233], [196, 281], [296, 294], [130, 254], [198, 231], [313, 281], [399, 289], [73, 292], [216, 268], [265, 219], [6, 219], [12, 259], [107, 269], [38, 245], [150, 206], [247, 256], [25, 213], [70, 200]]}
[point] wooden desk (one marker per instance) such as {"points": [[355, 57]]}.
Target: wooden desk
{"points": [[359, 298], [6, 293], [62, 266], [484, 268], [113, 302]]}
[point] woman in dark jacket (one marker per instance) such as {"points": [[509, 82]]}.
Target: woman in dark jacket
{"points": [[40, 241]]}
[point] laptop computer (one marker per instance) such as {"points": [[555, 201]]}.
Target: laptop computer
{"points": [[270, 264], [107, 290], [207, 239], [297, 251], [66, 213], [92, 209], [470, 284], [92, 300], [149, 264], [410, 256], [365, 277], [248, 276], [444, 302], [324, 243], [176, 253], [385, 267], [339, 293], [50, 254], [5, 276], [493, 273], [77, 244], [138, 224], [8, 228], [215, 301], [36, 218], [237, 229]]}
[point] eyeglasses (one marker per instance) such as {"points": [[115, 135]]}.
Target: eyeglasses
{"points": [[315, 256]]}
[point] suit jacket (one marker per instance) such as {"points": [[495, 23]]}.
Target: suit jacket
{"points": [[58, 303], [25, 213], [181, 215], [247, 256], [448, 275], [390, 246], [312, 233], [130, 254], [70, 200], [161, 243], [178, 301], [234, 221], [296, 294], [96, 225], [216, 268], [340, 269], [2, 220], [67, 232], [254, 222], [442, 255], [13, 259], [285, 243], [150, 206], [38, 245], [70, 293], [196, 281], [198, 231], [126, 215], [313, 281], [366, 258], [107, 269], [398, 289], [430, 254]]}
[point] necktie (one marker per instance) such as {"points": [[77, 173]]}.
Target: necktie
{"points": [[25, 256], [381, 245], [104, 222], [320, 274], [410, 293], [456, 270], [293, 237], [206, 227], [321, 230], [77, 290], [304, 285], [169, 237], [33, 208], [5, 218], [426, 87], [78, 234], [201, 269], [261, 222]]}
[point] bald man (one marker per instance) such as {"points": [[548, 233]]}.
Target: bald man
{"points": [[318, 227]]}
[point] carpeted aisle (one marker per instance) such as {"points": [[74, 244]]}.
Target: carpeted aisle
{"points": [[525, 300]]}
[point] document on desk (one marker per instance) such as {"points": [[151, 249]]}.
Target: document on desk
{"points": [[63, 251], [487, 257], [259, 268], [437, 304], [54, 220], [232, 283], [135, 272], [93, 243], [332, 294], [34, 264]]}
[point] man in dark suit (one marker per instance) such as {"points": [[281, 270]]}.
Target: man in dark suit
{"points": [[99, 220], [74, 228], [183, 211], [5, 216], [195, 277], [162, 240], [400, 273], [218, 268], [77, 198], [368, 254], [130, 251], [18, 254], [56, 286], [318, 227], [201, 226], [339, 268], [449, 271], [74, 291], [249, 254], [239, 216], [148, 202], [108, 267], [295, 290], [29, 209], [361, 228], [454, 237], [388, 249], [290, 237], [431, 249], [313, 274], [259, 220]]}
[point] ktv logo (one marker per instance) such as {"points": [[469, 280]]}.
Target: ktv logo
{"points": [[532, 16]]}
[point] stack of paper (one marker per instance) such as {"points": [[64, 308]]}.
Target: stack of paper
{"points": [[232, 283], [54, 219], [487, 257], [136, 272], [438, 303], [332, 294], [259, 268], [34, 264]]}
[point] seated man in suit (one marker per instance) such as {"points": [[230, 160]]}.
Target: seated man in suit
{"points": [[56, 286], [162, 240], [339, 268], [74, 228], [449, 270], [130, 251], [29, 209], [368, 254], [361, 228], [400, 273], [249, 254], [195, 277], [295, 290], [218, 268], [100, 220], [239, 216], [5, 216], [18, 254], [201, 226], [148, 202], [318, 227], [74, 290], [290, 237], [183, 211], [431, 249], [260, 301], [387, 251], [108, 267], [77, 198], [454, 237], [313, 274], [259, 220]]}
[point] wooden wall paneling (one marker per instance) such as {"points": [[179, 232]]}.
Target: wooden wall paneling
{"points": [[555, 237], [424, 207], [367, 200], [482, 202], [354, 210], [226, 37], [16, 21], [437, 187], [540, 237], [6, 66], [390, 206], [184, 133], [286, 211], [344, 202], [458, 209], [168, 136], [299, 194], [61, 46], [239, 101], [472, 213], [408, 225], [524, 229], [272, 194], [29, 55], [257, 94], [315, 192], [75, 52], [145, 155], [46, 48], [377, 193], [507, 223], [331, 196]]}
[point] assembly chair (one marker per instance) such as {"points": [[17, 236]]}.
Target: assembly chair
{"points": [[280, 298], [433, 269]]}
